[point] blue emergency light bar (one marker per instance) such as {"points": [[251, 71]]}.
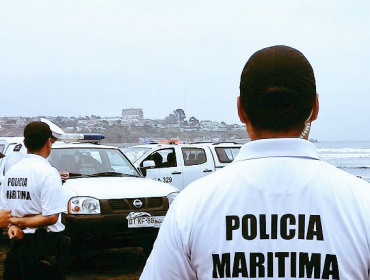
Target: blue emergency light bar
{"points": [[82, 137], [150, 142], [93, 136]]}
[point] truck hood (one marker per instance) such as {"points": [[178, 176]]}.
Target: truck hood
{"points": [[117, 187]]}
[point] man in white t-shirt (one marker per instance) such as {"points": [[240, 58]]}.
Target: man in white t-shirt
{"points": [[32, 190], [19, 150], [277, 211]]}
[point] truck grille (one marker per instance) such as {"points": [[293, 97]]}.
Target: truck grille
{"points": [[118, 204], [128, 203], [155, 202]]}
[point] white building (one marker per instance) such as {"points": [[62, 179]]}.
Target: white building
{"points": [[133, 114], [209, 126]]}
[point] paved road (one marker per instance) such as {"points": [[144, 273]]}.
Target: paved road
{"points": [[108, 264]]}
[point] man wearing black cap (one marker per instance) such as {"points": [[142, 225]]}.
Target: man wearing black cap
{"points": [[277, 211], [19, 150], [32, 190]]}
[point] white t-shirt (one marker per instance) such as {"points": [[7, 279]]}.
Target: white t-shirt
{"points": [[276, 212], [31, 187]]}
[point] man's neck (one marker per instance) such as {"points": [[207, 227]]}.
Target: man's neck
{"points": [[40, 153], [256, 135]]}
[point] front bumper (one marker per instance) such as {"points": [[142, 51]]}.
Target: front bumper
{"points": [[107, 229], [111, 226]]}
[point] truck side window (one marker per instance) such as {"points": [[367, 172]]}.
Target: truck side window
{"points": [[163, 158], [226, 155], [194, 156], [171, 160]]}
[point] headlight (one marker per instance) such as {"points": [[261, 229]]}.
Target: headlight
{"points": [[171, 197], [83, 205]]}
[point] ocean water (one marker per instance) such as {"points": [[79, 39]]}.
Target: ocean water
{"points": [[350, 156]]}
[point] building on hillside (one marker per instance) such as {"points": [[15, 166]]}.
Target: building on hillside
{"points": [[133, 114], [188, 128], [222, 127], [208, 125], [237, 127]]}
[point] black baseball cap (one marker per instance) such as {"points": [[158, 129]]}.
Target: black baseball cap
{"points": [[278, 65], [278, 81], [36, 134]]}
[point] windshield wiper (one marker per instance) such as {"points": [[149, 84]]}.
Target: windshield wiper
{"points": [[77, 175], [112, 174]]}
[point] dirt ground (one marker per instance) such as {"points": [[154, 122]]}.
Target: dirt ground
{"points": [[106, 264]]}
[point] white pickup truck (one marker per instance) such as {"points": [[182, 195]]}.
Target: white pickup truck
{"points": [[108, 201], [181, 164]]}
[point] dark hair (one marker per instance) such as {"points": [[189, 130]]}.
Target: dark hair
{"points": [[35, 135], [277, 89]]}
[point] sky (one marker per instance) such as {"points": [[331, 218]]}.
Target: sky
{"points": [[86, 57]]}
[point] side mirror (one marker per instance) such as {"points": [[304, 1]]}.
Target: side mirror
{"points": [[148, 164]]}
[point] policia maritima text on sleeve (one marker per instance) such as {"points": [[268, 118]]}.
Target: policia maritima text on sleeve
{"points": [[277, 211], [32, 190]]}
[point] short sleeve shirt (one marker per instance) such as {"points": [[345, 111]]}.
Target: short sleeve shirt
{"points": [[276, 212], [32, 186]]}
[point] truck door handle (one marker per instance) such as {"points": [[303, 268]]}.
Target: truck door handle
{"points": [[207, 170], [176, 172]]}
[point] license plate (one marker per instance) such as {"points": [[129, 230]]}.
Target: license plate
{"points": [[145, 221], [139, 222]]}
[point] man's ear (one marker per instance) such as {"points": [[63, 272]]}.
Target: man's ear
{"points": [[315, 109], [50, 143], [242, 116]]}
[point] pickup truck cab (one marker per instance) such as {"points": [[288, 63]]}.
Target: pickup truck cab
{"points": [[181, 164]]}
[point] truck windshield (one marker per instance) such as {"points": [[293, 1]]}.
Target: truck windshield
{"points": [[89, 161], [134, 153]]}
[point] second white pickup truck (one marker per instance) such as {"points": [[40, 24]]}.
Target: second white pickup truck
{"points": [[181, 164]]}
